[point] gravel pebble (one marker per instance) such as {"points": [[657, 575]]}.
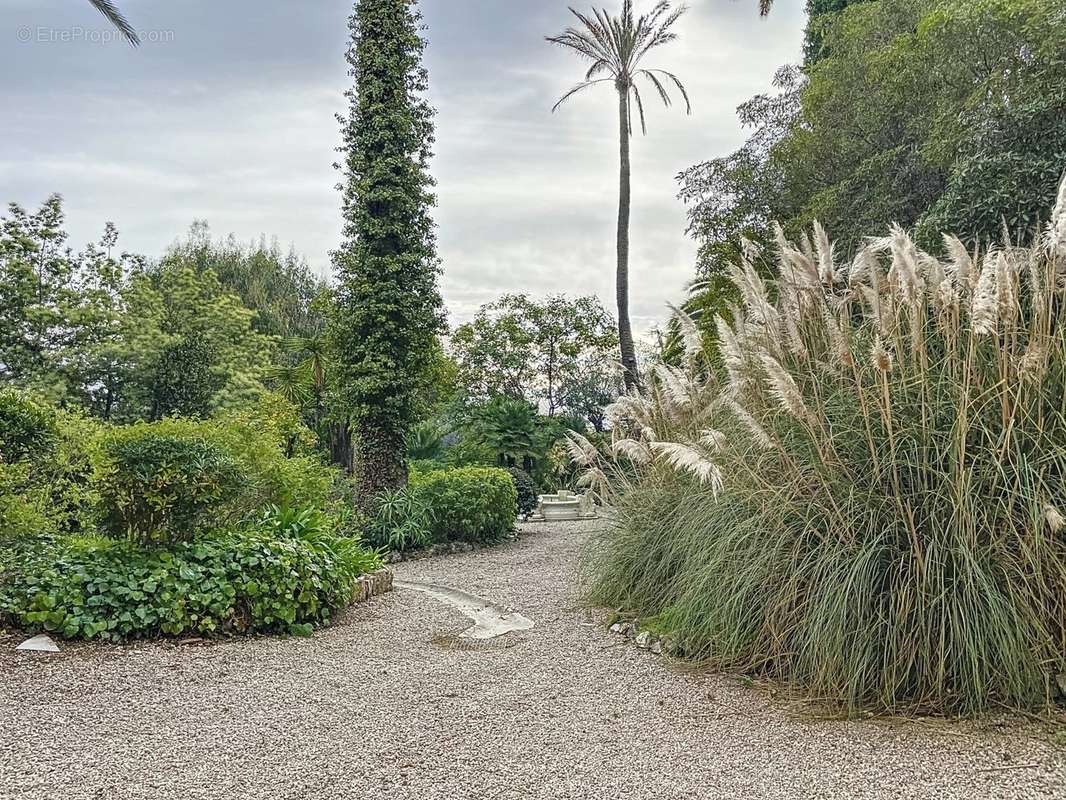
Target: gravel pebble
{"points": [[389, 703]]}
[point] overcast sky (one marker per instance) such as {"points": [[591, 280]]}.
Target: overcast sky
{"points": [[226, 113]]}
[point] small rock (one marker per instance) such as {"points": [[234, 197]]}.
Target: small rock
{"points": [[39, 644], [644, 640], [617, 628], [657, 647]]}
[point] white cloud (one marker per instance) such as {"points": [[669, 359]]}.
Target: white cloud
{"points": [[232, 121]]}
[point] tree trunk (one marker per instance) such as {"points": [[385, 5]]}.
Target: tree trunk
{"points": [[625, 331], [379, 461], [340, 445]]}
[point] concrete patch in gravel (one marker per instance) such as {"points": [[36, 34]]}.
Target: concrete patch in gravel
{"points": [[490, 620], [39, 644]]}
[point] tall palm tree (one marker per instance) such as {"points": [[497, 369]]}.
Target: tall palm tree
{"points": [[616, 46], [765, 6], [116, 18]]}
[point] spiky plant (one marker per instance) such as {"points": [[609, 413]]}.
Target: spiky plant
{"points": [[616, 47], [118, 19], [869, 499]]}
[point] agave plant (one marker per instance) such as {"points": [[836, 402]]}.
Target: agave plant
{"points": [[868, 499]]}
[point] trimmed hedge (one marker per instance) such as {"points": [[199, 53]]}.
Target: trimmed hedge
{"points": [[468, 504], [229, 583]]}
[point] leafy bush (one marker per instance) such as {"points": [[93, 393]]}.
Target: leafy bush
{"points": [[45, 468], [527, 492], [277, 460], [869, 502], [402, 521], [467, 450], [282, 578], [160, 481], [469, 504], [425, 441], [28, 430], [23, 506], [508, 428]]}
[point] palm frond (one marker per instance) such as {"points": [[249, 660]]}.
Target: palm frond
{"points": [[118, 19], [616, 44], [680, 86], [640, 108], [581, 86], [663, 94]]}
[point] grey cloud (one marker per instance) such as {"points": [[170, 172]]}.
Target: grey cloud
{"points": [[233, 121]]}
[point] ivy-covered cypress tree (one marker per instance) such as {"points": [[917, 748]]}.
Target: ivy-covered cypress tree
{"points": [[387, 310]]}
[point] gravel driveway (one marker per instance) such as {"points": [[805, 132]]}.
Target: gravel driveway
{"points": [[387, 703]]}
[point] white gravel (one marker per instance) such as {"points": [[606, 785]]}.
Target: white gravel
{"points": [[387, 703]]}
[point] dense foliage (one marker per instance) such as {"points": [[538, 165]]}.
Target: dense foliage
{"points": [[255, 581], [468, 504], [869, 500], [527, 491], [387, 308], [45, 468], [124, 339], [227, 525], [401, 520], [162, 482], [936, 114], [537, 350]]}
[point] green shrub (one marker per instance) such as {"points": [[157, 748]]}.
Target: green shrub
{"points": [[28, 429], [23, 506], [469, 504], [45, 468], [527, 492], [402, 521], [468, 451], [163, 481], [425, 465], [283, 577], [276, 470], [425, 441], [869, 502]]}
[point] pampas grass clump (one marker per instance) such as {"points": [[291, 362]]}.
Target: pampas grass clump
{"points": [[862, 492]]}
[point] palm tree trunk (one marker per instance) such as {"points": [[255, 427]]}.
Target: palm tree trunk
{"points": [[625, 331]]}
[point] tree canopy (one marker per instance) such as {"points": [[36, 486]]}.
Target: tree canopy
{"points": [[536, 350], [937, 114]]}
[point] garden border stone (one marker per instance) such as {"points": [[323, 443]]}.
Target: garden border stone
{"points": [[443, 549], [373, 584]]}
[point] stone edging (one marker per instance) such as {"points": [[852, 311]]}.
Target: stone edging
{"points": [[644, 639], [373, 584], [443, 549]]}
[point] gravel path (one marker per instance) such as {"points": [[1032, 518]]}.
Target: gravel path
{"points": [[387, 704]]}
